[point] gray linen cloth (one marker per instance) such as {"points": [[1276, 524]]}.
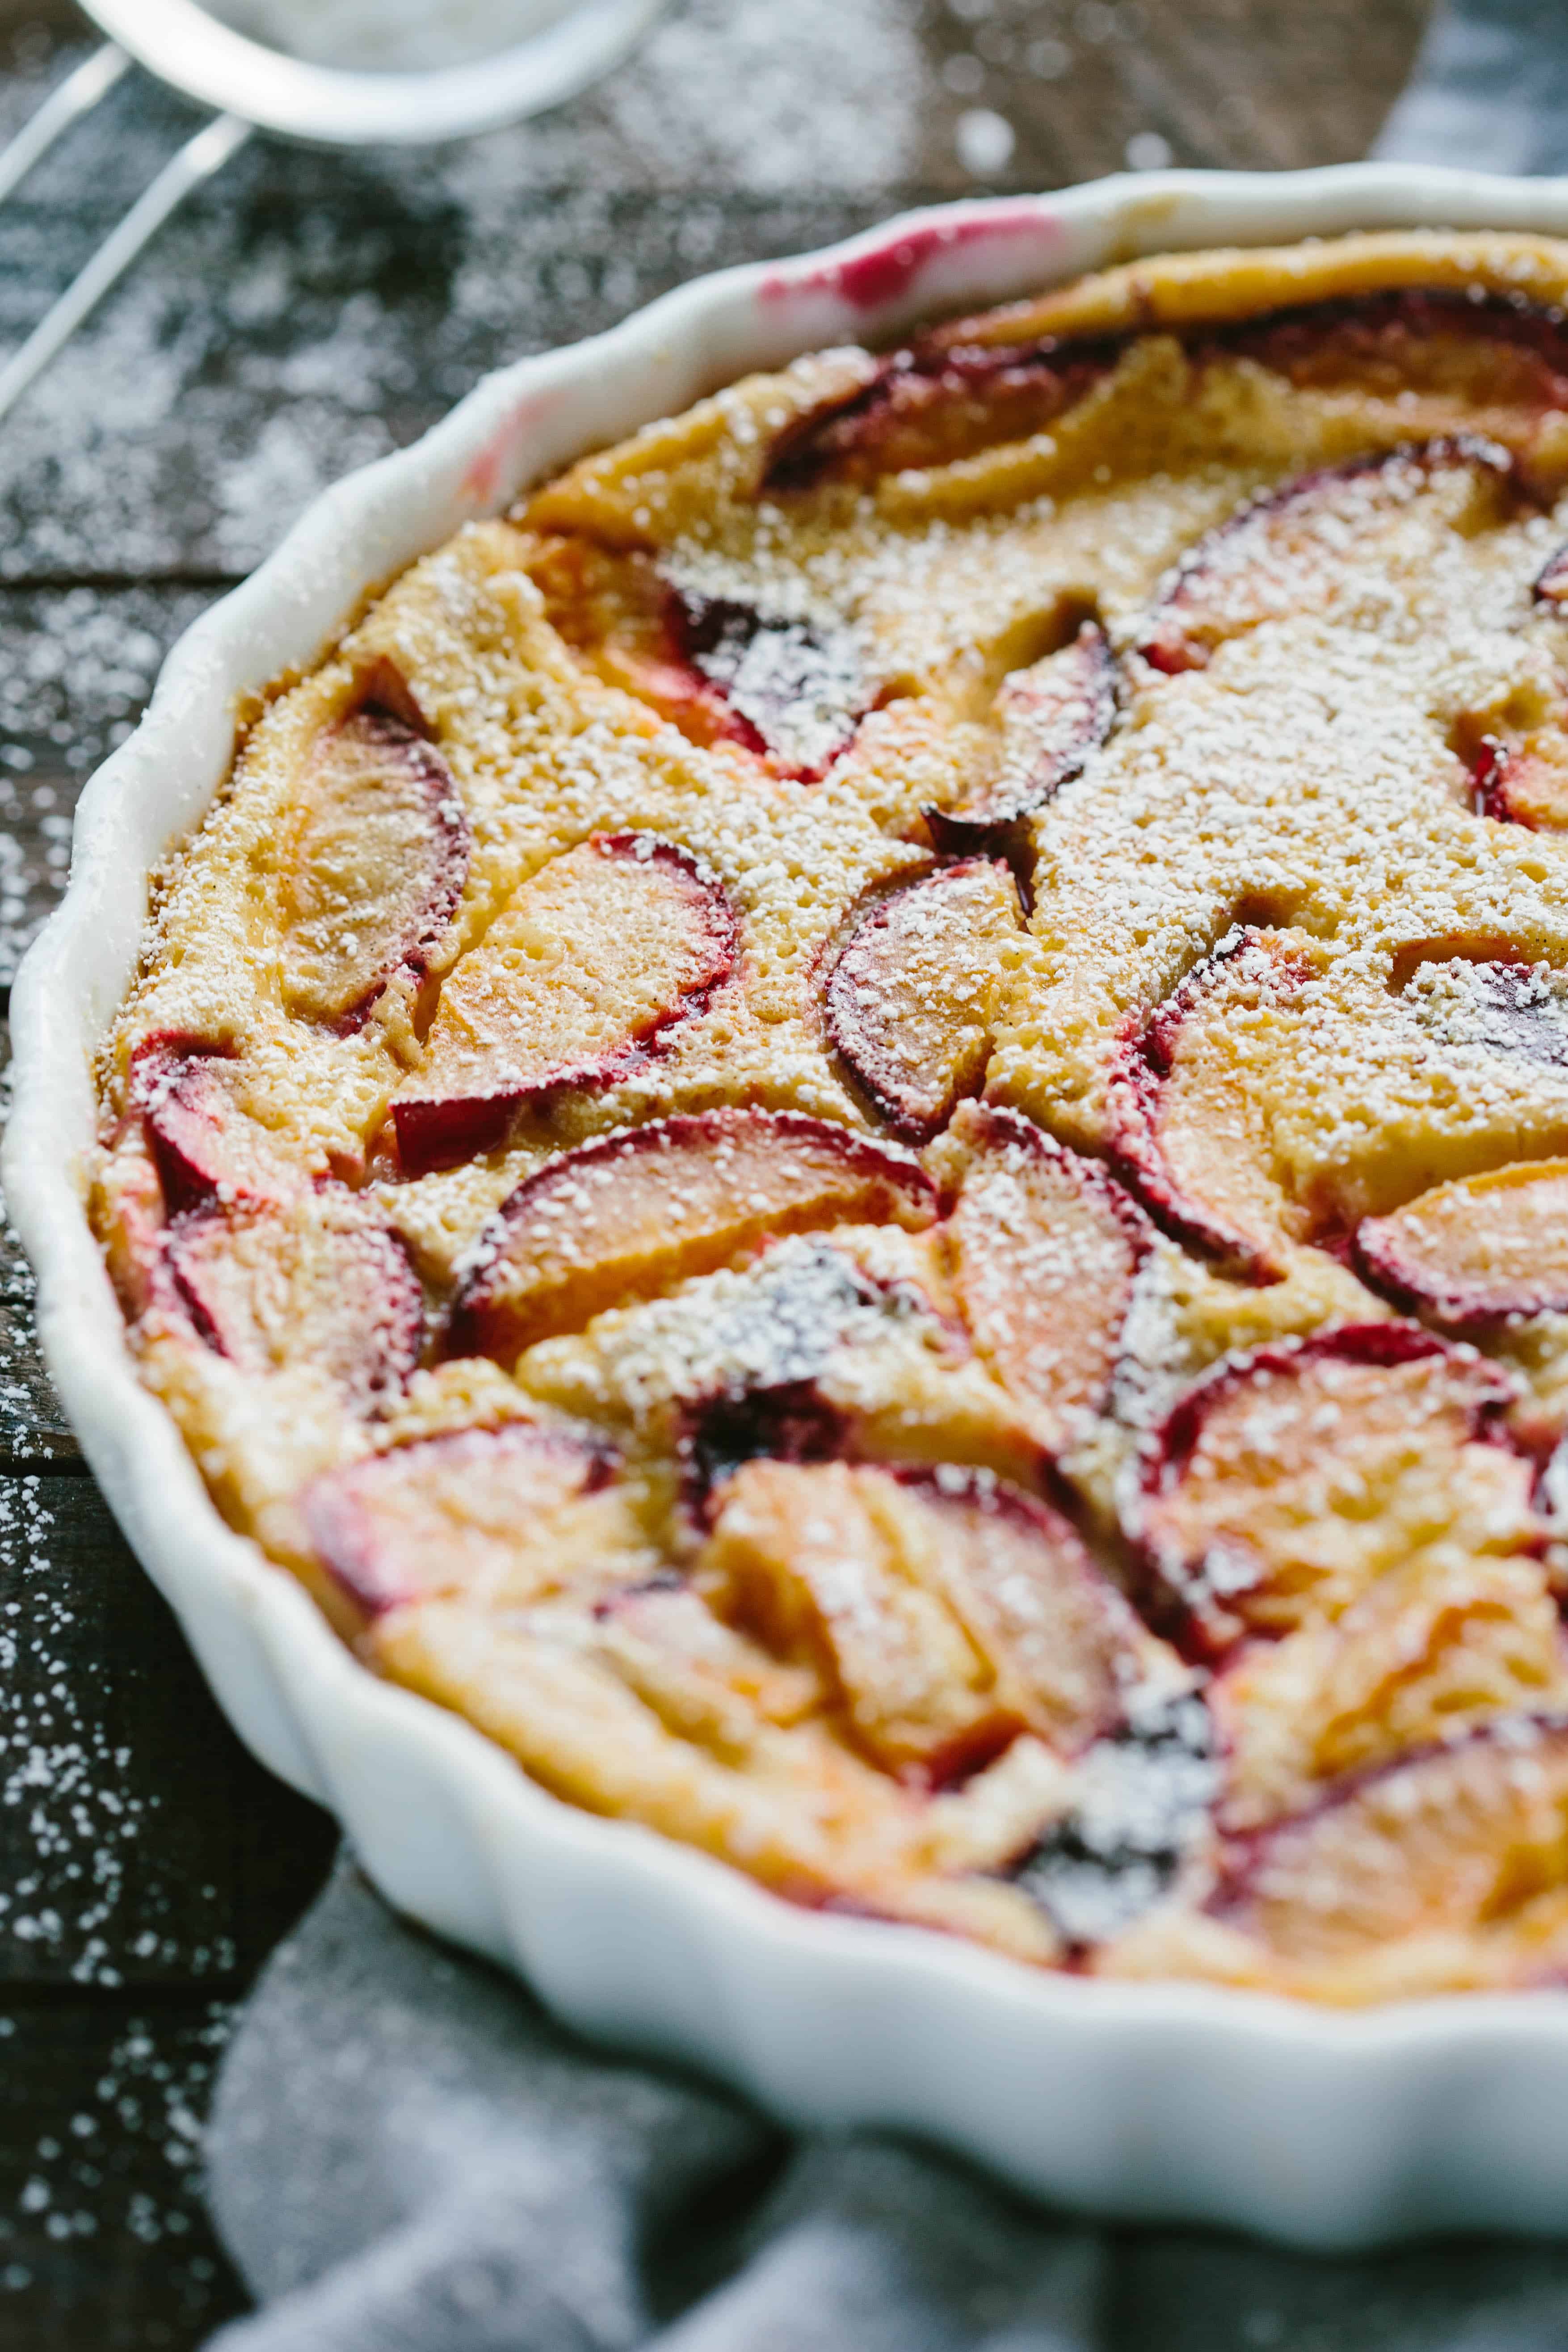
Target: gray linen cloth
{"points": [[405, 2156]]}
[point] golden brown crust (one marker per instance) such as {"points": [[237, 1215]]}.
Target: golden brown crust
{"points": [[1144, 709]]}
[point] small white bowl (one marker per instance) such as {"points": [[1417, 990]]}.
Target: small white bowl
{"points": [[1180, 2101]]}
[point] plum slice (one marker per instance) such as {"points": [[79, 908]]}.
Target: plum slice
{"points": [[1046, 1249], [1188, 1125], [184, 1089], [794, 692], [691, 1667], [1285, 1478], [1550, 582], [908, 1001], [371, 867], [1468, 1252], [627, 1216], [1447, 1840], [1518, 1011], [949, 1609], [1524, 783], [936, 401], [1053, 716], [320, 1281], [448, 1513], [1289, 552], [979, 381], [130, 1214], [1469, 350], [589, 962]]}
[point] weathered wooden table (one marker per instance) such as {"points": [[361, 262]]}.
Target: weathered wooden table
{"points": [[307, 313]]}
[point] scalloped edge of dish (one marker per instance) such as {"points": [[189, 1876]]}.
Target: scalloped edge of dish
{"points": [[1175, 2102]]}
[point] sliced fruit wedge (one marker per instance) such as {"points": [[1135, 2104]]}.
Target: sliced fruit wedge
{"points": [[1524, 783], [1046, 1249], [788, 688], [319, 1280], [1432, 348], [184, 1090], [1188, 1116], [1518, 1011], [1551, 583], [630, 1215], [795, 691], [1441, 1642], [130, 1214], [1291, 551], [470, 1513], [908, 1002], [1285, 1479], [591, 959], [1468, 1252], [934, 401], [1052, 716], [1445, 1841], [977, 382], [616, 1735], [371, 867], [950, 1610], [691, 1667]]}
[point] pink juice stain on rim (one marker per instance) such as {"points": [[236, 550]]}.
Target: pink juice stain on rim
{"points": [[492, 466], [868, 280]]}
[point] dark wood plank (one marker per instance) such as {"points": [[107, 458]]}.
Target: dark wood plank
{"points": [[863, 97], [139, 1844], [104, 2244], [1240, 85], [351, 324], [76, 666], [33, 1425], [313, 310], [34, 1432]]}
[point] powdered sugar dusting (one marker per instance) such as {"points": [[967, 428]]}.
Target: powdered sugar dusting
{"points": [[1246, 948]]}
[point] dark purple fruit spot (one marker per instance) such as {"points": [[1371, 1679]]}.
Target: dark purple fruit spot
{"points": [[790, 1423], [1522, 1014], [798, 691], [1489, 779], [779, 1336], [776, 1340], [1516, 1010], [1145, 1792]]}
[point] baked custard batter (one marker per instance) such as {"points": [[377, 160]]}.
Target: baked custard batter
{"points": [[860, 1130]]}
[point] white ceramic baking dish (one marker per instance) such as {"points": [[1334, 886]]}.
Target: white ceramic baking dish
{"points": [[1181, 2102]]}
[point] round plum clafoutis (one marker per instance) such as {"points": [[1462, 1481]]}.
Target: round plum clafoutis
{"points": [[860, 1128]]}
